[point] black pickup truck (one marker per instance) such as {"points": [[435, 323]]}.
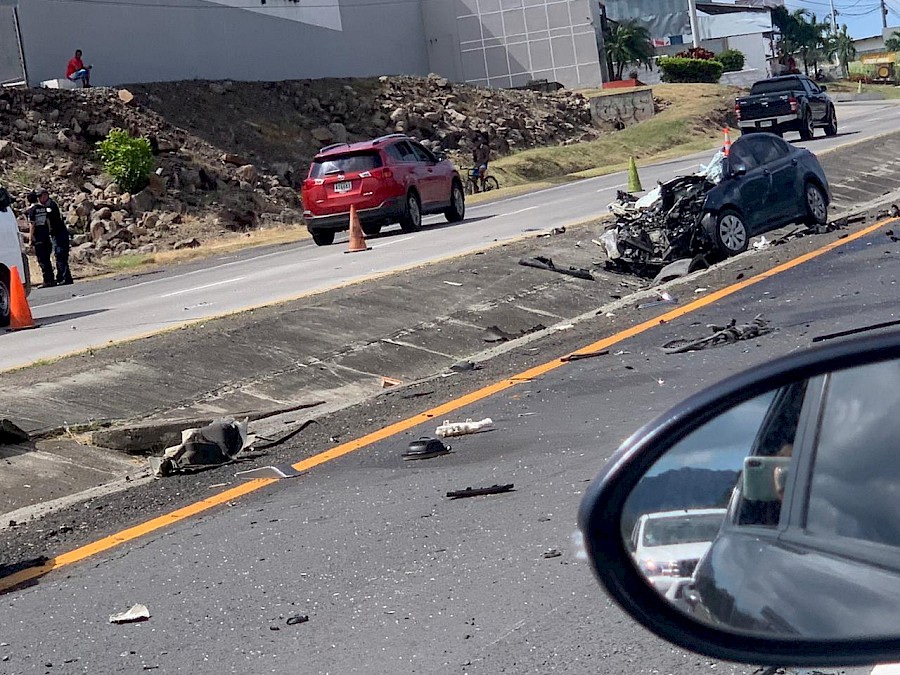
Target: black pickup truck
{"points": [[786, 103]]}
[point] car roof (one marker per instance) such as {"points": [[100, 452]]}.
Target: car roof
{"points": [[362, 146], [685, 512]]}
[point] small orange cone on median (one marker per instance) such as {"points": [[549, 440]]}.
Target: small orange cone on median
{"points": [[727, 141], [19, 312], [357, 240]]}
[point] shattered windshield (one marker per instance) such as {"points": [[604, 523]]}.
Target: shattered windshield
{"points": [[714, 172]]}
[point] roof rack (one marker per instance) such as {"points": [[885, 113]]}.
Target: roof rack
{"points": [[384, 138], [333, 146]]}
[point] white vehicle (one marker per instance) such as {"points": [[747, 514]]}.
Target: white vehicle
{"points": [[668, 545], [11, 255]]}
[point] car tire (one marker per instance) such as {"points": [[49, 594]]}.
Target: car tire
{"points": [[831, 128], [323, 237], [816, 204], [5, 304], [411, 221], [371, 229], [807, 127], [457, 210], [731, 234]]}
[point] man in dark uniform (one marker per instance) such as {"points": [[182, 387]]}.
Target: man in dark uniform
{"points": [[49, 232]]}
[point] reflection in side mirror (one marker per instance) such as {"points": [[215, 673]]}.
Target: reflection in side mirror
{"points": [[739, 170], [766, 512]]}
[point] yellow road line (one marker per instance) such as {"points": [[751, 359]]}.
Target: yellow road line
{"points": [[158, 523]]}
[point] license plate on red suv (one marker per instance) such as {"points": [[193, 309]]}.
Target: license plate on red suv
{"points": [[346, 186]]}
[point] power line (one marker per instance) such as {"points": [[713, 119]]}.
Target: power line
{"points": [[297, 4]]}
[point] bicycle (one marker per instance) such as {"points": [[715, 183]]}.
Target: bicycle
{"points": [[474, 182]]}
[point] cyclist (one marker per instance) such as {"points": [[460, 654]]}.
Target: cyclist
{"points": [[481, 155]]}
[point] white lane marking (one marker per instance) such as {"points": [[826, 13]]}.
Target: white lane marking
{"points": [[530, 208], [200, 288], [392, 241]]}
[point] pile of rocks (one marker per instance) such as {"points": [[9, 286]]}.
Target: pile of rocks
{"points": [[49, 138]]}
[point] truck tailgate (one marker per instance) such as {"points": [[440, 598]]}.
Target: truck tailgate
{"points": [[764, 106]]}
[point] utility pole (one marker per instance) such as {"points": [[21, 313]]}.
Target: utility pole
{"points": [[834, 18], [695, 24], [883, 14]]}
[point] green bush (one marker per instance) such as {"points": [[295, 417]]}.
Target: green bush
{"points": [[127, 159], [732, 60], [675, 69]]}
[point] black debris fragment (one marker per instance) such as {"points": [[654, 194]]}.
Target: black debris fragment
{"points": [[890, 234], [297, 619], [895, 211], [465, 367], [552, 553], [544, 263], [271, 443], [11, 434], [728, 334], [497, 334], [426, 448], [477, 492], [578, 356]]}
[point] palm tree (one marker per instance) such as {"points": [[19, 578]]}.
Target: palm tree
{"points": [[844, 49], [892, 44], [629, 43]]}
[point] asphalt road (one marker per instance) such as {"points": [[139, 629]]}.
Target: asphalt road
{"points": [[394, 577], [92, 314]]}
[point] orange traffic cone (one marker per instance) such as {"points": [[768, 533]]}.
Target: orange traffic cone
{"points": [[357, 240], [19, 312], [727, 141]]}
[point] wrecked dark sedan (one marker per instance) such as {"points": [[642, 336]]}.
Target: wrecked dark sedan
{"points": [[762, 184]]}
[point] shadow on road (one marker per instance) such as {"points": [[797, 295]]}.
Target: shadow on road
{"points": [[59, 318]]}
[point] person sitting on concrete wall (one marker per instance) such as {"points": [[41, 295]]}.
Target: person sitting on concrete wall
{"points": [[77, 72]]}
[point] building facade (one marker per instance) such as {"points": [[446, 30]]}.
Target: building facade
{"points": [[500, 43]]}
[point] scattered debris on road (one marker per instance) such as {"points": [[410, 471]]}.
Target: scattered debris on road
{"points": [[11, 434], [761, 244], [662, 298], [271, 443], [465, 366], [728, 334], [895, 211], [579, 356], [478, 492], [269, 472], [551, 553], [497, 334], [387, 382], [544, 263], [425, 448], [297, 619], [890, 234], [216, 444], [136, 613], [448, 428]]}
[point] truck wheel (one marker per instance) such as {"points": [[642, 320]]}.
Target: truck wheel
{"points": [[412, 215], [730, 233], [322, 237], [831, 128], [807, 128], [5, 305], [816, 204]]}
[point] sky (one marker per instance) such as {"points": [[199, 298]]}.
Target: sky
{"points": [[861, 16]]}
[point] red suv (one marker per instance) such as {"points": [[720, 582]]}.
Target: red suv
{"points": [[392, 179]]}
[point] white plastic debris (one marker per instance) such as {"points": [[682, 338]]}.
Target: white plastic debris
{"points": [[449, 428], [609, 239], [136, 613], [761, 243]]}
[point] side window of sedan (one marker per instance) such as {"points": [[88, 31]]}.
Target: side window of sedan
{"points": [[855, 485], [742, 153]]}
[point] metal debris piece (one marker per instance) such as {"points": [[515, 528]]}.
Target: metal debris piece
{"points": [[465, 366], [497, 334], [855, 331], [453, 283], [551, 553], [674, 270], [663, 298], [578, 356], [297, 619], [271, 472], [271, 443], [895, 211], [544, 263], [728, 334], [133, 615], [387, 382], [448, 428], [477, 492], [890, 234], [213, 445], [426, 448]]}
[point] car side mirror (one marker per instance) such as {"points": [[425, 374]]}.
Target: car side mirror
{"points": [[738, 169], [756, 544], [823, 87], [440, 156]]}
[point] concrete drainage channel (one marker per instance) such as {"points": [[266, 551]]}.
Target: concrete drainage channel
{"points": [[340, 348]]}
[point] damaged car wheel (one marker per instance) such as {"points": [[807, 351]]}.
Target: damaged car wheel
{"points": [[816, 205], [731, 233]]}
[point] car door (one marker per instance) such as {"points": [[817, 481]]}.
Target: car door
{"points": [[748, 192], [405, 164], [780, 164], [818, 101], [434, 187]]}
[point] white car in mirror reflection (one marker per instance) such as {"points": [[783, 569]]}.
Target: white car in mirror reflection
{"points": [[668, 545]]}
